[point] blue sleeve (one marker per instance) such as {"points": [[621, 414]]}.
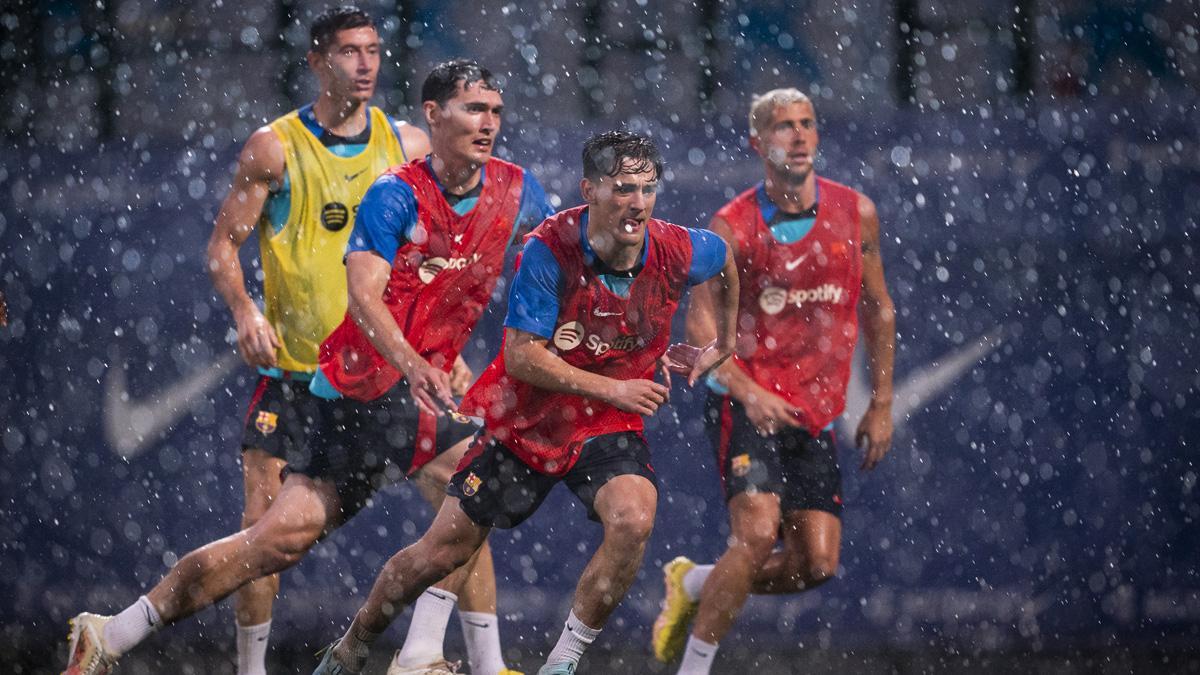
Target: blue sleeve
{"points": [[535, 207], [708, 256], [533, 300], [385, 218]]}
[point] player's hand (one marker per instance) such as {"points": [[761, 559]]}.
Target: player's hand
{"points": [[874, 434], [460, 376], [768, 412], [430, 388], [695, 362], [638, 396], [664, 368], [257, 341]]}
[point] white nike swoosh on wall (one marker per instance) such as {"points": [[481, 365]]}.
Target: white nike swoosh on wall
{"points": [[919, 388], [132, 425]]}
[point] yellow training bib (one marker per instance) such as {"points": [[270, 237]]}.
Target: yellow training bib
{"points": [[304, 278]]}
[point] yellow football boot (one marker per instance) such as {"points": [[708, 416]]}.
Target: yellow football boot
{"points": [[671, 627]]}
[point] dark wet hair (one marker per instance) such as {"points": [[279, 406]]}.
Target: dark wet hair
{"points": [[615, 152], [325, 27], [442, 83]]}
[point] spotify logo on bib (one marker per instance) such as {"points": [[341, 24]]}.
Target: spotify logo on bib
{"points": [[773, 299], [568, 336]]}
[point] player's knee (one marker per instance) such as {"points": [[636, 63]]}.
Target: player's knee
{"points": [[757, 541], [632, 524], [820, 568], [279, 551]]}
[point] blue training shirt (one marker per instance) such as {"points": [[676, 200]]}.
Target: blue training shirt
{"points": [[533, 300], [388, 213]]}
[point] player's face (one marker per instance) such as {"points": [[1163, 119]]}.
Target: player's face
{"points": [[621, 205], [349, 69], [466, 126], [788, 142]]}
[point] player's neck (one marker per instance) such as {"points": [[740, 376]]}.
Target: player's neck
{"points": [[341, 117], [614, 253], [456, 177], [792, 196]]}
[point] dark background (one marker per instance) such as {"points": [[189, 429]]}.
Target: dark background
{"points": [[1035, 166]]}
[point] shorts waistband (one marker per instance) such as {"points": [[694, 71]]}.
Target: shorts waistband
{"points": [[286, 375]]}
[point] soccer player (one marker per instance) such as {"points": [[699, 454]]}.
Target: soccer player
{"points": [[589, 318], [299, 180], [804, 246], [428, 246], [338, 466]]}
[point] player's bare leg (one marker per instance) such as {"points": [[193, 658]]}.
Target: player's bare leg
{"points": [[754, 520], [812, 542], [472, 587], [297, 519], [448, 544], [253, 602], [626, 506]]}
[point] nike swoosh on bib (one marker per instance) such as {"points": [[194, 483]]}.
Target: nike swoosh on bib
{"points": [[355, 175], [793, 264], [919, 388], [132, 425]]}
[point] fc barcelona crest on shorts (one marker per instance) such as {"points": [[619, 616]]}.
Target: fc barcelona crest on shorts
{"points": [[740, 465], [471, 484], [266, 422]]}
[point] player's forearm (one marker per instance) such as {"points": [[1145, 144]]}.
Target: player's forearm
{"points": [[378, 324], [725, 311], [879, 333], [534, 364], [700, 327], [225, 270]]}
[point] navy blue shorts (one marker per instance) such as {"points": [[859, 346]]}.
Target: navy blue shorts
{"points": [[497, 489], [281, 418], [800, 468], [362, 447]]}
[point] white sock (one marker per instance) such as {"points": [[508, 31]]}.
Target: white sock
{"points": [[134, 624], [481, 631], [693, 581], [698, 657], [427, 630], [574, 639], [252, 649]]}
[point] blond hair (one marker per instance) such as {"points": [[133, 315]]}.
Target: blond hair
{"points": [[764, 104]]}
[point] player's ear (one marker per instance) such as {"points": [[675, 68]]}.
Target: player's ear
{"points": [[314, 59], [588, 189], [431, 109], [755, 144]]}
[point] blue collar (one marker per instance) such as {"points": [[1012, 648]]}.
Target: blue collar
{"points": [[768, 207], [309, 118], [589, 254], [438, 183]]}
